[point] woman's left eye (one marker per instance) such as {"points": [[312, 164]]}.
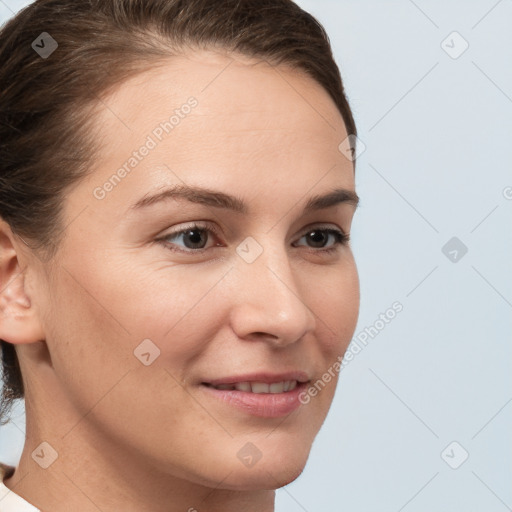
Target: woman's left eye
{"points": [[194, 238], [320, 235]]}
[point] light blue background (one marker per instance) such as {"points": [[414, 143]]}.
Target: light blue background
{"points": [[438, 157]]}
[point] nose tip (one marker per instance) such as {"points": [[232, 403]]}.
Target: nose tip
{"points": [[271, 308]]}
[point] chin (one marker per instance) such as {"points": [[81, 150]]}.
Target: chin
{"points": [[272, 473]]}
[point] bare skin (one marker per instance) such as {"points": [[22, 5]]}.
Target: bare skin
{"points": [[137, 437]]}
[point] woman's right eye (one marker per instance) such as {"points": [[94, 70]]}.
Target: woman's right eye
{"points": [[194, 238]]}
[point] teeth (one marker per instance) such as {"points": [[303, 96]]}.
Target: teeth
{"points": [[277, 387], [243, 386], [260, 387]]}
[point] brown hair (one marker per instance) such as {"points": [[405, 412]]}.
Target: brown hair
{"points": [[47, 100]]}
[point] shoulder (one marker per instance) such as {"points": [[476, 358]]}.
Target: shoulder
{"points": [[5, 471], [9, 500]]}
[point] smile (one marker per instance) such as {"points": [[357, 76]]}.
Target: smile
{"points": [[259, 394], [259, 387]]}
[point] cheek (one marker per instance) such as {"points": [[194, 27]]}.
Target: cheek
{"points": [[89, 342], [336, 307], [99, 321], [111, 321], [177, 307]]}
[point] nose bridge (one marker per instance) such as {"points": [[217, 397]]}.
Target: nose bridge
{"points": [[271, 302]]}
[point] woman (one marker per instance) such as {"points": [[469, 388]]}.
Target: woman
{"points": [[177, 284]]}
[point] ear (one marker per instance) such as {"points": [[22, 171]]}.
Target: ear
{"points": [[19, 321]]}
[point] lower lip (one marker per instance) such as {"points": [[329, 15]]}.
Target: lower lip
{"points": [[265, 405]]}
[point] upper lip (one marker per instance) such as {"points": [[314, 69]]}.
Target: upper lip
{"points": [[268, 378]]}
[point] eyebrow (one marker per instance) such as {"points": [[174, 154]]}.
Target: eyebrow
{"points": [[225, 201]]}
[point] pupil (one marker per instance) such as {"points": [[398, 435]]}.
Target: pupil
{"points": [[317, 233], [195, 239]]}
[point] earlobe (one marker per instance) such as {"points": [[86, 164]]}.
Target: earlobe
{"points": [[19, 321]]}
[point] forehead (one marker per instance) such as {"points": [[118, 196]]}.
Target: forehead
{"points": [[225, 83], [252, 124]]}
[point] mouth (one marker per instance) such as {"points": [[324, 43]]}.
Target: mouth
{"points": [[263, 395], [257, 387]]}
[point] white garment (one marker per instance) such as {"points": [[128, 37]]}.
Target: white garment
{"points": [[10, 501]]}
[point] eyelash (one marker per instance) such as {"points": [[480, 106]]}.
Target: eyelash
{"points": [[341, 238]]}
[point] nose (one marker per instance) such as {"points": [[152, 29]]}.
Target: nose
{"points": [[269, 303]]}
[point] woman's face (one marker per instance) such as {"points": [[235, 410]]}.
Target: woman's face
{"points": [[145, 312]]}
